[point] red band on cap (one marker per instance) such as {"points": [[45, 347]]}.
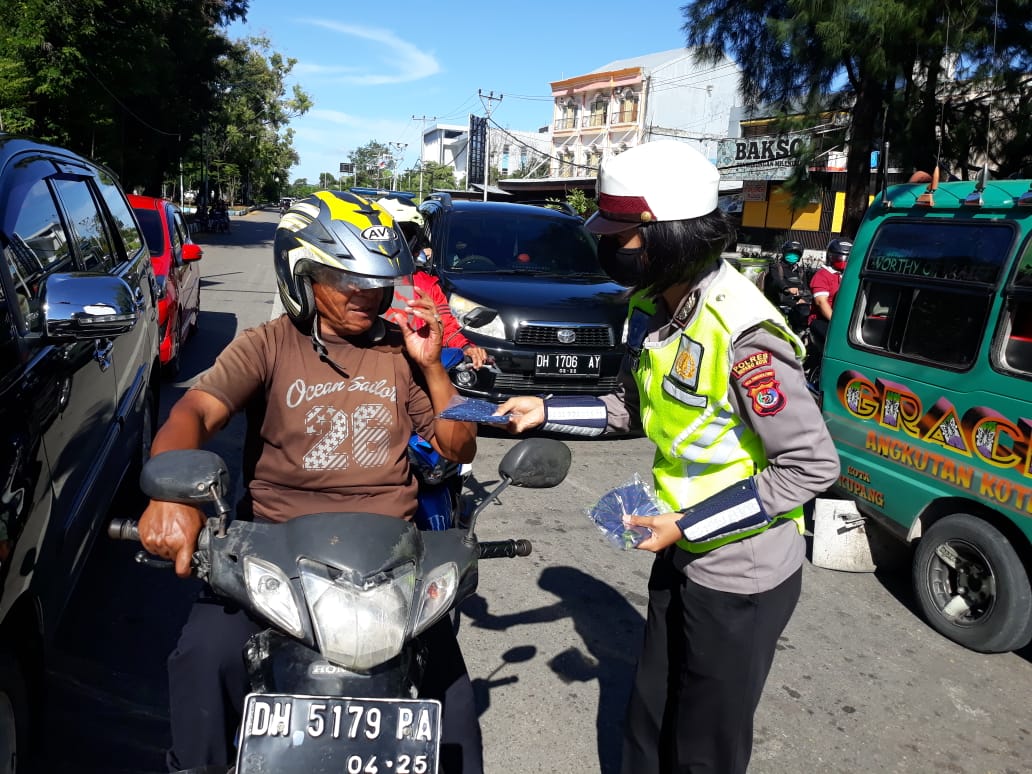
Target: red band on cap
{"points": [[627, 208]]}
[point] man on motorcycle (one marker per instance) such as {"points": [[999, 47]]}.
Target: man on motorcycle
{"points": [[333, 393], [785, 286], [825, 285]]}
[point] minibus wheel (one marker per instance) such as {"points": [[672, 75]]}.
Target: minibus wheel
{"points": [[972, 586]]}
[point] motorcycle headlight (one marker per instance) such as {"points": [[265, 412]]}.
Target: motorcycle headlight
{"points": [[359, 627], [460, 306], [271, 593], [437, 593]]}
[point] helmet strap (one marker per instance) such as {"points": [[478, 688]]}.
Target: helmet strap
{"points": [[320, 347]]}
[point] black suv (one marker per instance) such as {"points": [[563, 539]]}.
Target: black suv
{"points": [[78, 393], [525, 283]]}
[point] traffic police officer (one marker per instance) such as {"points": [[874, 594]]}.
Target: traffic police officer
{"points": [[713, 378]]}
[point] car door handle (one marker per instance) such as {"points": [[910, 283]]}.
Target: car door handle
{"points": [[102, 354], [140, 299]]}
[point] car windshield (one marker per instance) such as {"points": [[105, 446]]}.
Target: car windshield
{"points": [[522, 243], [150, 222]]}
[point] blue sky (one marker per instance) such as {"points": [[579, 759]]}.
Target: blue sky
{"points": [[370, 67]]}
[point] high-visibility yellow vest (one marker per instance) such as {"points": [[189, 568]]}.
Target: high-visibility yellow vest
{"points": [[702, 446]]}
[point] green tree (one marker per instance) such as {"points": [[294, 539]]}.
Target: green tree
{"points": [[151, 88], [372, 164], [248, 128], [882, 63], [136, 110]]}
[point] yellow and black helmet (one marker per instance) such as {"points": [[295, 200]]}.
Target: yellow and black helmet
{"points": [[337, 236]]}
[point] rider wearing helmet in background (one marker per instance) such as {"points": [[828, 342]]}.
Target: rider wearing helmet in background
{"points": [[825, 286], [333, 393], [785, 286]]}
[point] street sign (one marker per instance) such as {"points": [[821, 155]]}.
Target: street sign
{"points": [[346, 168]]}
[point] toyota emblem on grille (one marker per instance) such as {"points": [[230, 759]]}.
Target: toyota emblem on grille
{"points": [[566, 336]]}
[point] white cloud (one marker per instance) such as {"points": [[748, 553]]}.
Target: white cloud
{"points": [[389, 59]]}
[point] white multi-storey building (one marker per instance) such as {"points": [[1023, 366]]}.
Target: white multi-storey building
{"points": [[604, 112]]}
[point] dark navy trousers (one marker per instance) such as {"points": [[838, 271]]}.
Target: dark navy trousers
{"points": [[701, 673]]}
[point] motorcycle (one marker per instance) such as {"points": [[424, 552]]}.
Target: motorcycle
{"points": [[345, 596]]}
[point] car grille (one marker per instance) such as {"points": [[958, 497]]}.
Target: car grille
{"points": [[547, 335], [527, 383]]}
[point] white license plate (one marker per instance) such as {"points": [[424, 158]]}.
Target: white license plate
{"points": [[317, 734], [562, 364]]}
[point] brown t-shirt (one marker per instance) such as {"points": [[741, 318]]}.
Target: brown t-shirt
{"points": [[327, 439]]}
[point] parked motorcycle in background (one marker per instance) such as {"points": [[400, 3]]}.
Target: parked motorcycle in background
{"points": [[333, 678]]}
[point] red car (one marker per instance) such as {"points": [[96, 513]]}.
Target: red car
{"points": [[174, 258]]}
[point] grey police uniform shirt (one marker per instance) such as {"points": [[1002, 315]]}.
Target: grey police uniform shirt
{"points": [[802, 459]]}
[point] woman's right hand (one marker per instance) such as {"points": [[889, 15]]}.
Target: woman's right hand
{"points": [[528, 412], [170, 530]]}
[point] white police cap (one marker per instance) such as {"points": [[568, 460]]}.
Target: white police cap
{"points": [[660, 180]]}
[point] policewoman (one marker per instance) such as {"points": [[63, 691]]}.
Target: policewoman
{"points": [[713, 378]]}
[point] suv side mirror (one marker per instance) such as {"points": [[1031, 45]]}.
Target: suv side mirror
{"points": [[192, 252], [82, 306]]}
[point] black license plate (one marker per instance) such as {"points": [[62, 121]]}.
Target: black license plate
{"points": [[317, 734], [560, 364]]}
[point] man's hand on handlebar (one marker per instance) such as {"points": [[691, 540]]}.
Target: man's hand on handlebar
{"points": [[170, 530], [477, 355]]}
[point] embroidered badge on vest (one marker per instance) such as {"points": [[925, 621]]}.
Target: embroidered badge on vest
{"points": [[683, 379], [765, 391]]}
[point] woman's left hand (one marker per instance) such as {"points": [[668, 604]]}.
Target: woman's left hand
{"points": [[665, 531], [422, 329]]}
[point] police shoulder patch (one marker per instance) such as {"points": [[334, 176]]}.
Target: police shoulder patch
{"points": [[764, 390], [751, 363]]}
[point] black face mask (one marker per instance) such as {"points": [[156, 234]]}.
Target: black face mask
{"points": [[624, 265]]}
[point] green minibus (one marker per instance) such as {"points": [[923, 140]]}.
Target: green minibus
{"points": [[926, 387]]}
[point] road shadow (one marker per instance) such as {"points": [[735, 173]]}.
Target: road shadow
{"points": [[107, 691], [611, 631]]}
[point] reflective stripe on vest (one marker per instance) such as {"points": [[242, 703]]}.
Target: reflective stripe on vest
{"points": [[702, 446]]}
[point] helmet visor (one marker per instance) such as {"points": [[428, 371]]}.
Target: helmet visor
{"points": [[352, 283]]}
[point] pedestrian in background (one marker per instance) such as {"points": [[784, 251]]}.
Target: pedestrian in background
{"points": [[713, 378]]}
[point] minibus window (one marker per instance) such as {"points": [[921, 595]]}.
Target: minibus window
{"points": [[1012, 345], [941, 252], [1017, 351], [926, 289]]}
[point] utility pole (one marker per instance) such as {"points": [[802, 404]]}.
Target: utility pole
{"points": [[422, 144], [400, 147], [488, 106]]}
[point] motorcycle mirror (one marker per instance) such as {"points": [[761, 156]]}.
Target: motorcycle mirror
{"points": [[478, 317], [188, 476], [536, 463]]}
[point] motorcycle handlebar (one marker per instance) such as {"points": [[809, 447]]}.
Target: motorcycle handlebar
{"points": [[127, 529], [124, 529], [500, 549]]}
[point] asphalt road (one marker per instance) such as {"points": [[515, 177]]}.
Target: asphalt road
{"points": [[860, 684]]}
